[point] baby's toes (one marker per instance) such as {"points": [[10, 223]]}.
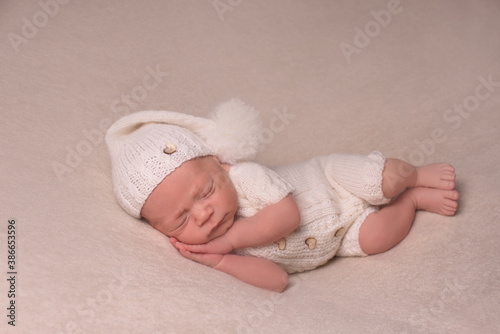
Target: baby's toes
{"points": [[451, 195], [450, 204], [448, 176], [447, 185], [448, 210], [447, 168]]}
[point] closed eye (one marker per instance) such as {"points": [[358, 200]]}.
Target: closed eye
{"points": [[208, 191], [183, 219]]}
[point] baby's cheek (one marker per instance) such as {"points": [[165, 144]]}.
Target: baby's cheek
{"points": [[161, 231], [232, 194]]}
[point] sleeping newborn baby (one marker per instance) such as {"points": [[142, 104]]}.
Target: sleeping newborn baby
{"points": [[192, 179]]}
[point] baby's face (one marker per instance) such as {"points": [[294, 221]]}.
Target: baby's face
{"points": [[195, 203]]}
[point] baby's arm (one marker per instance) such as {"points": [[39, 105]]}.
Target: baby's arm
{"points": [[269, 225], [253, 270]]}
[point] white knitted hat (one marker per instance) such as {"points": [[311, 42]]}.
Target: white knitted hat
{"points": [[147, 146]]}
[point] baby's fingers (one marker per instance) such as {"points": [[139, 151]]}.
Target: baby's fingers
{"points": [[196, 248], [185, 252], [192, 248], [177, 244], [210, 260]]}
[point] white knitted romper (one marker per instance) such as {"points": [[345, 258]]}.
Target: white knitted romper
{"points": [[334, 194]]}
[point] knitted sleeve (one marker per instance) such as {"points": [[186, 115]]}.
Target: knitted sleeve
{"points": [[257, 187]]}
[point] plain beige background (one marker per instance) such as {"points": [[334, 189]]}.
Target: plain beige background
{"points": [[408, 78]]}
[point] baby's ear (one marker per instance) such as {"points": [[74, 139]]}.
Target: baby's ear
{"points": [[223, 165]]}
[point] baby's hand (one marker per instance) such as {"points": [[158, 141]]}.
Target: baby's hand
{"points": [[210, 260], [220, 245]]}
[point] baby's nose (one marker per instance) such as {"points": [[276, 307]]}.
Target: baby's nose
{"points": [[203, 213]]}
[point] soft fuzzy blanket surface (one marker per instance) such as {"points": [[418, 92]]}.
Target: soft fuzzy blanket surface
{"points": [[416, 80]]}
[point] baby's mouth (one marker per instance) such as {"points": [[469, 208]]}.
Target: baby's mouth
{"points": [[218, 225]]}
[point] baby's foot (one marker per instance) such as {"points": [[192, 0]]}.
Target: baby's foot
{"points": [[439, 201], [439, 176]]}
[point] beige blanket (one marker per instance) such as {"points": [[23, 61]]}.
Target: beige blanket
{"points": [[417, 80]]}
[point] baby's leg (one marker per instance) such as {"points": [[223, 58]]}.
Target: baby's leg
{"points": [[399, 175], [360, 175], [385, 229]]}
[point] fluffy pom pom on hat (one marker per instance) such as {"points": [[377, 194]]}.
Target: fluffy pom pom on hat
{"points": [[147, 146]]}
